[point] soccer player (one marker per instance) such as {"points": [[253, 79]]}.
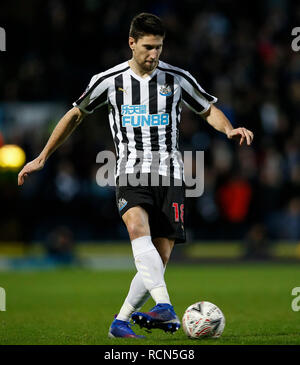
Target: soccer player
{"points": [[144, 97]]}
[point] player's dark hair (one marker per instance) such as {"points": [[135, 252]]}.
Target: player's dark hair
{"points": [[145, 24]]}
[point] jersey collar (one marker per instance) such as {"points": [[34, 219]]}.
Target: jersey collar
{"points": [[142, 79]]}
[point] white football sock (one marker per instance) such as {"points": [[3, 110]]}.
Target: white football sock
{"points": [[138, 294], [136, 298], [125, 312], [150, 266], [160, 295]]}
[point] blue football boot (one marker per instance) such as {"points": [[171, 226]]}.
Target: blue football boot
{"points": [[122, 329], [161, 316]]}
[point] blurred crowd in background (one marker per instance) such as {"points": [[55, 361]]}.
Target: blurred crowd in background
{"points": [[239, 52]]}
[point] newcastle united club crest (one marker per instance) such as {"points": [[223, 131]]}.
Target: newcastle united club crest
{"points": [[165, 90]]}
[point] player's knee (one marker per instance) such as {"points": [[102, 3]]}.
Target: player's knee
{"points": [[136, 230]]}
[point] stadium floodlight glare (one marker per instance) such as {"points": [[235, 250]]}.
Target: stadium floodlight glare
{"points": [[12, 156]]}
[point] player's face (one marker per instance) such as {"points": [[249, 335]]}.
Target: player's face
{"points": [[146, 51]]}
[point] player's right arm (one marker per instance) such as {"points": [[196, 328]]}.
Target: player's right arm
{"points": [[61, 132]]}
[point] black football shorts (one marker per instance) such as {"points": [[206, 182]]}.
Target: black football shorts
{"points": [[164, 205]]}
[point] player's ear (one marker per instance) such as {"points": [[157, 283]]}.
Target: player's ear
{"points": [[131, 42]]}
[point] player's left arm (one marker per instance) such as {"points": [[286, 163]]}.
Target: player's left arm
{"points": [[216, 118]]}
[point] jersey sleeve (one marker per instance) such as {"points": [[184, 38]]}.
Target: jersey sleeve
{"points": [[94, 96], [193, 95]]}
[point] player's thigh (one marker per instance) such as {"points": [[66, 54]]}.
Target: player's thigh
{"points": [[164, 247]]}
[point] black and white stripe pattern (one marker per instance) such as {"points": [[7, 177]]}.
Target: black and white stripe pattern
{"points": [[154, 98]]}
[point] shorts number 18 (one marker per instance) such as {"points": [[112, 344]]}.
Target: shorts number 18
{"points": [[178, 210]]}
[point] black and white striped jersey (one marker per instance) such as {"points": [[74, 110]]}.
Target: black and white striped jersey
{"points": [[144, 114]]}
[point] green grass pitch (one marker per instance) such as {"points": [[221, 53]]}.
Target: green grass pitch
{"points": [[76, 306]]}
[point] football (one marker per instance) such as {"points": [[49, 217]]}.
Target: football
{"points": [[203, 319]]}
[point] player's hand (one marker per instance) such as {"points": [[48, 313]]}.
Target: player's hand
{"points": [[35, 165], [241, 135]]}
